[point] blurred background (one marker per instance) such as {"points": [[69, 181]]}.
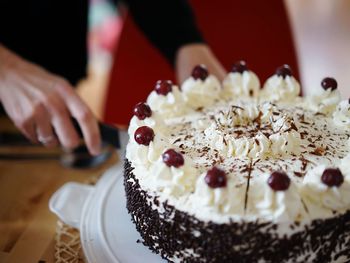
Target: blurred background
{"points": [[320, 36]]}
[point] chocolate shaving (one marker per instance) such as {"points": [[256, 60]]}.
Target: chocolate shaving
{"points": [[319, 151]]}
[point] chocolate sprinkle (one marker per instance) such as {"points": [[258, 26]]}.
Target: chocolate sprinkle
{"points": [[172, 233]]}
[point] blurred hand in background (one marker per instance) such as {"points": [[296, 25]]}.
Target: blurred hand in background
{"points": [[188, 56], [41, 104]]}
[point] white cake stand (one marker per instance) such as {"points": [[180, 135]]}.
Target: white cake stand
{"points": [[106, 231], [99, 212]]}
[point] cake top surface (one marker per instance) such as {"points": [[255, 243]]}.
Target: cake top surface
{"points": [[232, 151]]}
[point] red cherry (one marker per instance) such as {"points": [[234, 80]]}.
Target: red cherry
{"points": [[163, 87], [329, 83], [332, 177], [215, 178], [284, 71], [142, 111], [200, 72], [278, 181], [144, 135], [239, 67], [173, 158]]}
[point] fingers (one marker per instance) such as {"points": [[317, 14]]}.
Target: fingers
{"points": [[60, 121], [33, 99], [84, 117], [89, 127], [27, 127], [65, 131], [44, 131], [22, 114], [54, 121], [47, 120]]}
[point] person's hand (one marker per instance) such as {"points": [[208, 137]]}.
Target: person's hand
{"points": [[188, 56], [41, 105]]}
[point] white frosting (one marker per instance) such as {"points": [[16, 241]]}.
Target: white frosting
{"points": [[217, 138], [170, 181], [341, 116], [277, 88], [170, 105], [283, 143], [198, 93], [267, 109], [237, 115], [285, 140], [145, 155], [237, 134], [325, 101], [155, 122], [227, 200], [345, 166], [314, 191], [275, 205], [236, 85], [257, 147]]}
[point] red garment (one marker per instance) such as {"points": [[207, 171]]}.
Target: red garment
{"points": [[254, 31]]}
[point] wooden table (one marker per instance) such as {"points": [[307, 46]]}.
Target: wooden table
{"points": [[27, 227]]}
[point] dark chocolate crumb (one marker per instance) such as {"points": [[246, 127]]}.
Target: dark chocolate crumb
{"points": [[171, 233]]}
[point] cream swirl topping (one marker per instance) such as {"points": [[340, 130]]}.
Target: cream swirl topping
{"points": [[278, 88], [155, 122], [199, 93], [285, 143], [170, 180], [170, 105], [282, 137], [325, 101], [345, 166], [236, 85], [275, 205], [316, 193], [257, 147], [228, 200], [341, 116], [145, 155]]}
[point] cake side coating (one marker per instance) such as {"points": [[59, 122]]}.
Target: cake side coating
{"points": [[180, 237]]}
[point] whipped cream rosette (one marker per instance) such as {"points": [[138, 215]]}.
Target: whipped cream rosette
{"points": [[326, 99], [241, 82], [341, 115], [201, 89], [327, 189], [281, 87], [167, 100]]}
